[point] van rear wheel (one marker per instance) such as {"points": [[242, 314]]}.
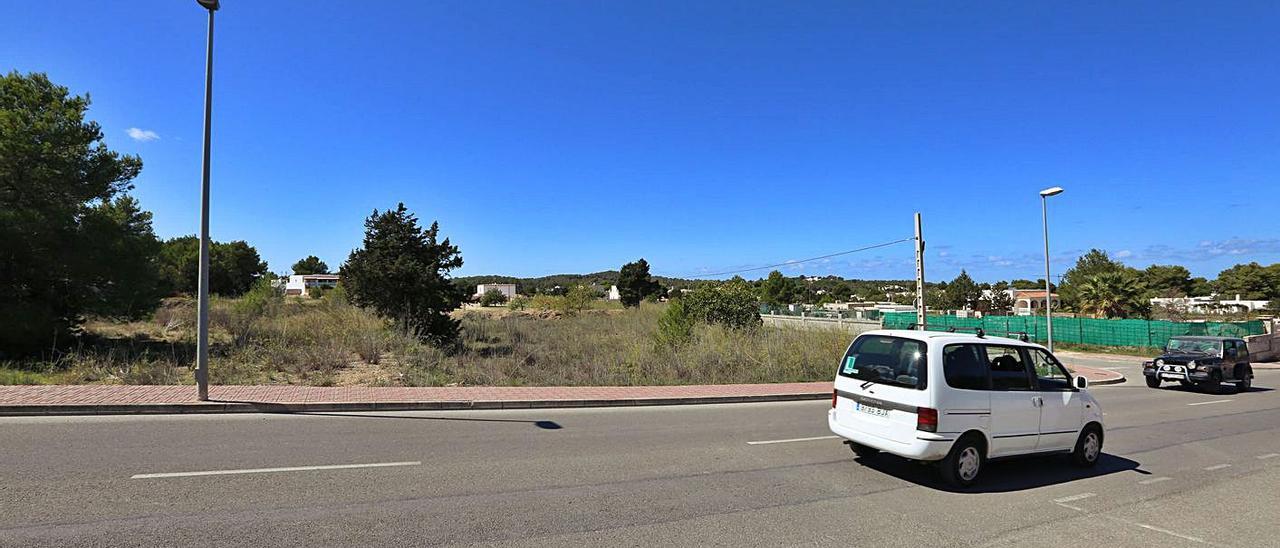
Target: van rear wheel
{"points": [[963, 464]]}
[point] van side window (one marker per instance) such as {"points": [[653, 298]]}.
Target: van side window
{"points": [[1008, 371], [1049, 373], [964, 367]]}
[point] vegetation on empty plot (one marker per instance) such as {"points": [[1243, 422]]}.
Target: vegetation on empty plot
{"points": [[264, 338]]}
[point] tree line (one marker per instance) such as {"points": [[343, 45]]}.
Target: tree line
{"points": [[74, 243]]}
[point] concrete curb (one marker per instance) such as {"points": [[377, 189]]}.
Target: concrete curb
{"points": [[322, 407]]}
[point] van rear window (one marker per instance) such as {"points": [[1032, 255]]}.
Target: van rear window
{"points": [[886, 360]]}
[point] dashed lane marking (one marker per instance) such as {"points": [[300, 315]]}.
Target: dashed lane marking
{"points": [[1217, 467], [1154, 480], [1074, 498], [815, 438], [1209, 402], [268, 470], [1268, 456]]}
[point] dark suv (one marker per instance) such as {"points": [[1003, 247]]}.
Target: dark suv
{"points": [[1205, 362]]}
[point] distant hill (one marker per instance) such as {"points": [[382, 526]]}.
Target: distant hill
{"points": [[839, 288]]}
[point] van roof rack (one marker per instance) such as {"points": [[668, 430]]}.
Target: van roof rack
{"points": [[976, 330]]}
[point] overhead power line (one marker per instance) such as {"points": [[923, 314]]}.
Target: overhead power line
{"points": [[789, 263]]}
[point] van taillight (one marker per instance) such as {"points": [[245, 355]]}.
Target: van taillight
{"points": [[926, 419], [833, 398]]}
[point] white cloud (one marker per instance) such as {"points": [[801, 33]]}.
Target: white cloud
{"points": [[1122, 254], [142, 135]]}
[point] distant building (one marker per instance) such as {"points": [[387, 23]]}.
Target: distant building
{"points": [[299, 284], [613, 294], [1028, 302], [1210, 304], [509, 290]]}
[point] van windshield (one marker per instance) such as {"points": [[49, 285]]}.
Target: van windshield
{"points": [[886, 360]]}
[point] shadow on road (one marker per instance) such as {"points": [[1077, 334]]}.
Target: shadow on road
{"points": [[545, 425], [1227, 390], [1003, 476]]}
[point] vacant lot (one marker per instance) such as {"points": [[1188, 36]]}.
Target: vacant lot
{"points": [[328, 342]]}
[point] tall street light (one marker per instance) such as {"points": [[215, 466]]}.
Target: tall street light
{"points": [[1048, 293], [202, 339]]}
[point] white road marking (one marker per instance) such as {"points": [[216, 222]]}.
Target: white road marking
{"points": [[266, 470], [1074, 498], [1217, 467], [1209, 402], [815, 438], [1154, 480], [1160, 530], [1268, 456], [1070, 507]]}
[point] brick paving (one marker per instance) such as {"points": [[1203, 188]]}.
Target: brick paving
{"points": [[124, 395]]}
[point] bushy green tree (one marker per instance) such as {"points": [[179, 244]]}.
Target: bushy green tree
{"points": [[635, 284], [402, 272], [71, 242], [961, 293], [233, 266], [493, 297], [732, 304], [1250, 281], [1167, 280], [778, 290], [310, 265], [1094, 263]]}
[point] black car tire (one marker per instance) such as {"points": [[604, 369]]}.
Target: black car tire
{"points": [[1186, 384], [1153, 381], [965, 462], [863, 451], [1214, 384], [1088, 447], [1244, 384]]}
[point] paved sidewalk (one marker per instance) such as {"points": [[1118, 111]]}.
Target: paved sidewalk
{"points": [[123, 399]]}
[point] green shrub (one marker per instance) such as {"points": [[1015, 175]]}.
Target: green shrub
{"points": [[675, 326], [732, 304], [520, 302], [493, 297]]}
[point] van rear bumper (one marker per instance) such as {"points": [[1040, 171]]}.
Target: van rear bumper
{"points": [[920, 448]]}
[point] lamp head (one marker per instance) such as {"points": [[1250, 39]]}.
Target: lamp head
{"points": [[1052, 191], [211, 5]]}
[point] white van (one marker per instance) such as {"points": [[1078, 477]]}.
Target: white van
{"points": [[960, 399]]}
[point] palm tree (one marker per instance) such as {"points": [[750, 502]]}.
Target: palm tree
{"points": [[1115, 294]]}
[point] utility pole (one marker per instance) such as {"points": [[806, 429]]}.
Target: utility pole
{"points": [[921, 321]]}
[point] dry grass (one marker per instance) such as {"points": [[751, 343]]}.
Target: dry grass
{"points": [[279, 341]]}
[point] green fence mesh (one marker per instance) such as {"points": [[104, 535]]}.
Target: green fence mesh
{"points": [[1148, 333]]}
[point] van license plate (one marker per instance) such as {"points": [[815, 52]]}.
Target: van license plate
{"points": [[871, 410]]}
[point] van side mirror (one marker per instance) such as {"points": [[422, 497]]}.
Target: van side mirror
{"points": [[1080, 382]]}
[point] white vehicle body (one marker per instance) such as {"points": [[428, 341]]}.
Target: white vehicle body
{"points": [[1048, 415]]}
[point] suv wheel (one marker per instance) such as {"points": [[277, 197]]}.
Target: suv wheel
{"points": [[1244, 384], [1088, 447], [1153, 381], [1214, 384], [963, 463]]}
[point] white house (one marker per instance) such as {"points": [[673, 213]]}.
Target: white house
{"points": [[1028, 302], [299, 284], [1210, 305], [613, 294], [509, 290]]}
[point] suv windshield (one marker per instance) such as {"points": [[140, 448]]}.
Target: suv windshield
{"points": [[887, 360], [1194, 346]]}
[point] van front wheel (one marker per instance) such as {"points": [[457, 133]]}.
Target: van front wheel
{"points": [[963, 463], [1088, 447]]}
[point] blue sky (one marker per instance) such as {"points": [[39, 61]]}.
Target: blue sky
{"points": [[552, 137]]}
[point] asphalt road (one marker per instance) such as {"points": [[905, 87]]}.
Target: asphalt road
{"points": [[1180, 468]]}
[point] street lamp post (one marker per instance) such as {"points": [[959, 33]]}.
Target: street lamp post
{"points": [[1048, 292], [202, 338]]}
